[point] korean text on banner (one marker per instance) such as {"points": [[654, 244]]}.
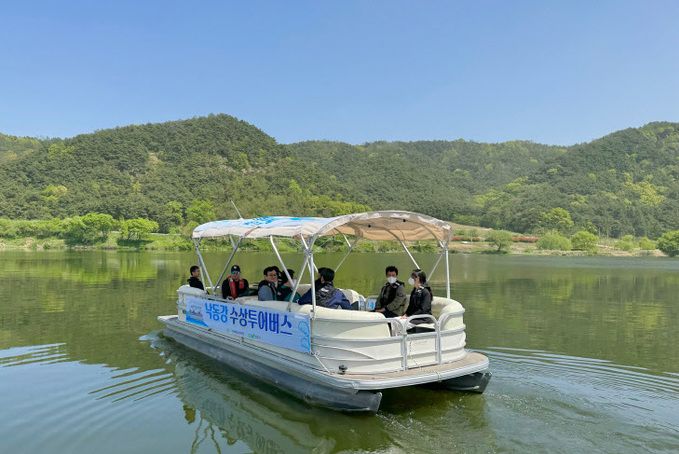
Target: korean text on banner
{"points": [[284, 329]]}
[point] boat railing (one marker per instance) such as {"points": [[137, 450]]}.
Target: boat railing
{"points": [[437, 345], [397, 328], [400, 329]]}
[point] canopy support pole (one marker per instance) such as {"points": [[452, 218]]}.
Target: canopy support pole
{"points": [[235, 247], [202, 264], [313, 286], [312, 267], [299, 279], [404, 248], [280, 260], [445, 251], [351, 248], [437, 262], [409, 254], [308, 247]]}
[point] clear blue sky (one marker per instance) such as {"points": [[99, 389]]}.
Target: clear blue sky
{"points": [[356, 71]]}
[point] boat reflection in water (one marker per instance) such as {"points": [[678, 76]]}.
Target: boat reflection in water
{"points": [[224, 404], [228, 407]]}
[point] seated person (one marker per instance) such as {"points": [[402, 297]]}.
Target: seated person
{"points": [[234, 286], [266, 290], [194, 280], [420, 298], [317, 283], [284, 292], [327, 296], [392, 299]]}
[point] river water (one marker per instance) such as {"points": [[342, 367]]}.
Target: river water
{"points": [[583, 350]]}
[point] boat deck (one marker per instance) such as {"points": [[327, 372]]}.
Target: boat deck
{"points": [[472, 359]]}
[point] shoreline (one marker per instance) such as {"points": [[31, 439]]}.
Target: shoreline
{"points": [[178, 243]]}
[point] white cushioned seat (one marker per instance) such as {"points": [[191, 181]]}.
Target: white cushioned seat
{"points": [[329, 327]]}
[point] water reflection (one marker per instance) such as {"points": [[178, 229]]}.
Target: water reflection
{"points": [[581, 350], [229, 406]]}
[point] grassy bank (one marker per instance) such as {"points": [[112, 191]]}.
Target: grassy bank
{"points": [[161, 242]]}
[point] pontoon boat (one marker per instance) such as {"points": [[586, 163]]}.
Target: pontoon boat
{"points": [[335, 358]]}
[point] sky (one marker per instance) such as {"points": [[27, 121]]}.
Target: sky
{"points": [[354, 71]]}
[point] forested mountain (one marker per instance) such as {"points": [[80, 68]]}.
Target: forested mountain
{"points": [[156, 171], [624, 183]]}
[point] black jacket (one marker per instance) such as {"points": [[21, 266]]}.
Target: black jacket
{"points": [[420, 302], [195, 283]]}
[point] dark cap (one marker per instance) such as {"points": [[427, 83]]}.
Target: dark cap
{"points": [[235, 269]]}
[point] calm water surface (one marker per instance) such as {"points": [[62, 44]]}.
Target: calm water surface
{"points": [[583, 352]]}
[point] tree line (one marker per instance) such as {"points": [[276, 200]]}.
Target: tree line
{"points": [[182, 173]]}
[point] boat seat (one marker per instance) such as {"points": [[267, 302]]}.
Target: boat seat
{"points": [[352, 295], [187, 290], [440, 306], [303, 288], [328, 327]]}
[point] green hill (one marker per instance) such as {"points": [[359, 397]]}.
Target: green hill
{"points": [[624, 183], [144, 171]]}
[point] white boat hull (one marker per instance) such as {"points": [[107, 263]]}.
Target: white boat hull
{"points": [[294, 374]]}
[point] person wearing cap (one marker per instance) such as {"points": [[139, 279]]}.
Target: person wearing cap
{"points": [[233, 286]]}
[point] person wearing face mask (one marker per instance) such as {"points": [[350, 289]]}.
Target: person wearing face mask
{"points": [[392, 299], [420, 297], [284, 292]]}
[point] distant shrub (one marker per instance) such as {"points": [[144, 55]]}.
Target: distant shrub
{"points": [[585, 241], [646, 245], [554, 241], [669, 243], [525, 239], [626, 243]]}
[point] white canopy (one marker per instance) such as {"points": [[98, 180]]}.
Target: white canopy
{"points": [[375, 225]]}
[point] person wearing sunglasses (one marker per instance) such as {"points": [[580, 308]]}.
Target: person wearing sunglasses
{"points": [[235, 286]]}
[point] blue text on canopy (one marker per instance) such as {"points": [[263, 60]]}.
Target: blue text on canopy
{"points": [[284, 329]]}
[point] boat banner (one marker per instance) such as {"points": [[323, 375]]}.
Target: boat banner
{"points": [[284, 329]]}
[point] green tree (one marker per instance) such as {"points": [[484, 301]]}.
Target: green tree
{"points": [[554, 241], [201, 211], [53, 193], [500, 238], [171, 217], [557, 219], [187, 231], [77, 232], [139, 228], [669, 243], [102, 223], [585, 241]]}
